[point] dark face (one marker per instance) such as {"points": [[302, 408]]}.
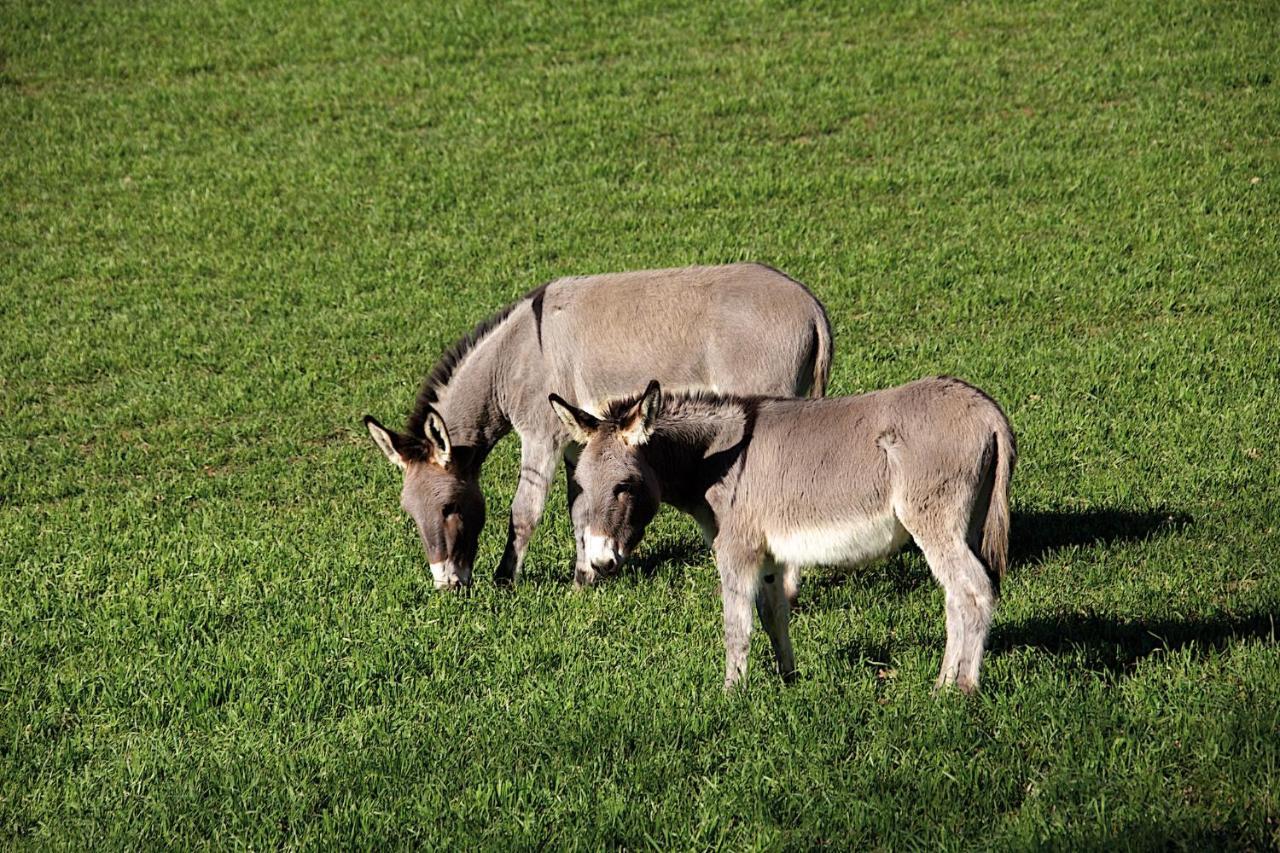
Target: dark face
{"points": [[449, 512], [619, 488], [441, 494], [621, 494]]}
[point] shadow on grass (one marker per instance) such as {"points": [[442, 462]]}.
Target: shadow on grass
{"points": [[1117, 646], [1111, 647], [1034, 537], [669, 553], [1184, 832], [1037, 535]]}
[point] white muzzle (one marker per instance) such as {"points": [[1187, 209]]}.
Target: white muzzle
{"points": [[446, 575], [602, 552]]}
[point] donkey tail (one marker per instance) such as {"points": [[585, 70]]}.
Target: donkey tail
{"points": [[822, 352], [995, 531]]}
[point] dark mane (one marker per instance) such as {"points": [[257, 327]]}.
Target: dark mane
{"points": [[438, 378], [617, 409]]}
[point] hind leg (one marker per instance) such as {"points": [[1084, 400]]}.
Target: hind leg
{"points": [[775, 613], [970, 605], [981, 608]]}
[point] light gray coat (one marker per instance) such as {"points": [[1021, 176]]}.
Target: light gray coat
{"points": [[778, 484], [739, 329]]}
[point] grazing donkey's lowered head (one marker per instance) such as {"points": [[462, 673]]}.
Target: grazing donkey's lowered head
{"points": [[621, 488], [441, 494]]}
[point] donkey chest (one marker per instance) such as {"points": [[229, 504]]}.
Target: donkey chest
{"points": [[848, 543]]}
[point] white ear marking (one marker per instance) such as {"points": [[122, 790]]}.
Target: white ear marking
{"points": [[437, 435], [382, 438], [640, 427]]}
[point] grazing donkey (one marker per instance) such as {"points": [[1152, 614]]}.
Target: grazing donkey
{"points": [[780, 484], [743, 329]]}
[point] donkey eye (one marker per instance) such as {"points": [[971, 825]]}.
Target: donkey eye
{"points": [[621, 491]]}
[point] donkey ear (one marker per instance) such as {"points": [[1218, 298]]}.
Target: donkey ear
{"points": [[639, 425], [580, 424], [388, 442], [438, 437]]}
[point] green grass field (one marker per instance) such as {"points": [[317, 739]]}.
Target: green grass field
{"points": [[229, 230]]}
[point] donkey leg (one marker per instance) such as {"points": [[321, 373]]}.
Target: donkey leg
{"points": [[583, 573], [979, 607], [537, 466], [739, 575], [970, 604], [775, 613]]}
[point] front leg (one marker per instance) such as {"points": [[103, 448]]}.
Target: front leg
{"points": [[537, 466], [739, 578], [707, 526], [583, 573]]}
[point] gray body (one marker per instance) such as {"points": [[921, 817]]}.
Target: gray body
{"points": [[740, 329], [781, 484]]}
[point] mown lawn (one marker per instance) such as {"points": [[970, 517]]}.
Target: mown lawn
{"points": [[229, 230]]}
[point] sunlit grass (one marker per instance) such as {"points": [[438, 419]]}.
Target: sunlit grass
{"points": [[229, 231]]}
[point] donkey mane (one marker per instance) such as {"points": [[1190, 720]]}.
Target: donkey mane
{"points": [[677, 405], [438, 378]]}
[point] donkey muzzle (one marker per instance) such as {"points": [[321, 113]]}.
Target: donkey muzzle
{"points": [[448, 576], [602, 552]]}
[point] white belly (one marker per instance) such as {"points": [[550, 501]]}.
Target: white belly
{"points": [[849, 544]]}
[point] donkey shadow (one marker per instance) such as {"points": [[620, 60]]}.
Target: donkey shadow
{"points": [[1116, 646], [670, 553], [1038, 535], [1112, 646], [1034, 537]]}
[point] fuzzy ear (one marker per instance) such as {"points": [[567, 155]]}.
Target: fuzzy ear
{"points": [[388, 442], [580, 424], [437, 435], [640, 420]]}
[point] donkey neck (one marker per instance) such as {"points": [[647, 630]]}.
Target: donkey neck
{"points": [[473, 396], [698, 443]]}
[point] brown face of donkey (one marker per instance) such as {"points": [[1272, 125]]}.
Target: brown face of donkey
{"points": [[441, 494], [622, 487]]}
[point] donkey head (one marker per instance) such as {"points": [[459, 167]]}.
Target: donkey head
{"points": [[441, 494], [619, 487]]}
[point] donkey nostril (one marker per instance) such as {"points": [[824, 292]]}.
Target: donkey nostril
{"points": [[602, 552]]}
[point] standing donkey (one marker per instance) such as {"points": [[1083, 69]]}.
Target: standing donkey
{"points": [[780, 484], [741, 329]]}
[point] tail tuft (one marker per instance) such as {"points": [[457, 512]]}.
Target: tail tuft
{"points": [[995, 531], [822, 353]]}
